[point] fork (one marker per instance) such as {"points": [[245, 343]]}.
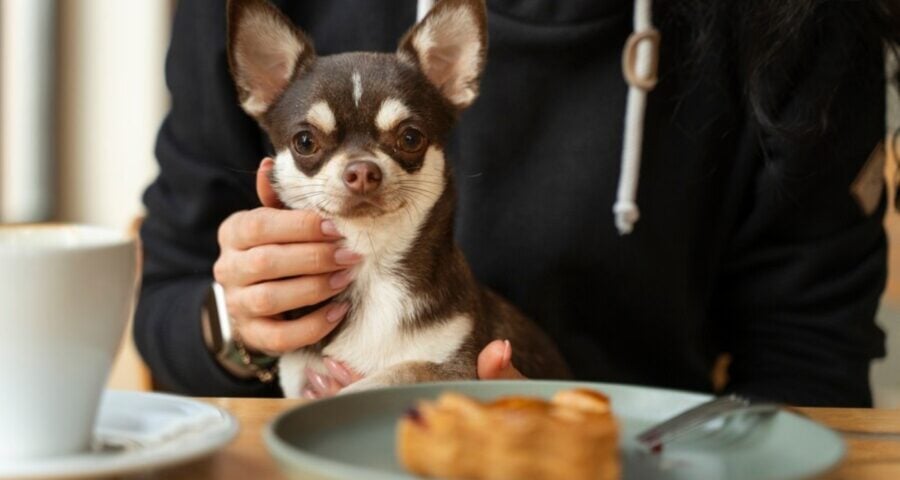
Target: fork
{"points": [[685, 422]]}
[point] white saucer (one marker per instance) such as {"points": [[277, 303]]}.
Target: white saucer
{"points": [[135, 432]]}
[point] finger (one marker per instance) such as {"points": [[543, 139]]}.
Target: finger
{"points": [[495, 362], [322, 385], [264, 189], [315, 382], [269, 299], [343, 375], [279, 336], [333, 389], [271, 262], [265, 225], [309, 394]]}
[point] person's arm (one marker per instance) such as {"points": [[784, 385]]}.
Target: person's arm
{"points": [[208, 151], [201, 223], [806, 266]]}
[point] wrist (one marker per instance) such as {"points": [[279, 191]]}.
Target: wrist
{"points": [[224, 344]]}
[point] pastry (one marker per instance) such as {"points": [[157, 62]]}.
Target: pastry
{"points": [[574, 436]]}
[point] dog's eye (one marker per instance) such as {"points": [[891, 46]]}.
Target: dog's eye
{"points": [[411, 140], [305, 143]]}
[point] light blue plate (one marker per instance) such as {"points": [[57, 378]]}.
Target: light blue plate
{"points": [[352, 437]]}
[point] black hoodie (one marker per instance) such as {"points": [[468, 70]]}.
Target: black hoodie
{"points": [[749, 243]]}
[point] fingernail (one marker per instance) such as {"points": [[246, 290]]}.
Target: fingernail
{"points": [[341, 279], [308, 394], [338, 371], [345, 256], [328, 229], [507, 354], [336, 312], [317, 380]]}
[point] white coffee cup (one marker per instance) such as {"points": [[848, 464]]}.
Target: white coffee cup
{"points": [[66, 292]]}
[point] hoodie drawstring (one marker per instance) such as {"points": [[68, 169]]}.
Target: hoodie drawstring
{"points": [[422, 8], [640, 60]]}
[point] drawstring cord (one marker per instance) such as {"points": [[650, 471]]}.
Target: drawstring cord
{"points": [[422, 8], [640, 60]]}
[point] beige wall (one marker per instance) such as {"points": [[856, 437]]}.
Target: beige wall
{"points": [[112, 98]]}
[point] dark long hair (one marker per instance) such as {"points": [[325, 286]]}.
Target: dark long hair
{"points": [[772, 35]]}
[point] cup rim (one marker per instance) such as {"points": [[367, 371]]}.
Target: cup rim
{"points": [[93, 237]]}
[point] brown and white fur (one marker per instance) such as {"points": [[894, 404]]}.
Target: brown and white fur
{"points": [[417, 313]]}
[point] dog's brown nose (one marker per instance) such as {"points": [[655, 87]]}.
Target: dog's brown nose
{"points": [[362, 176]]}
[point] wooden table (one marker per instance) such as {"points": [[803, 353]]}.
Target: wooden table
{"points": [[872, 435]]}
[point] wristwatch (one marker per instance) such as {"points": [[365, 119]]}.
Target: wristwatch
{"points": [[225, 345]]}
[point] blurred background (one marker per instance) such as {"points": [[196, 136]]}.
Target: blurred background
{"points": [[82, 94]]}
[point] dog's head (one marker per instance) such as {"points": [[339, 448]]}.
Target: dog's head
{"points": [[357, 135]]}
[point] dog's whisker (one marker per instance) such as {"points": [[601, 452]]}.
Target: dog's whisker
{"points": [[416, 194], [409, 214], [423, 191], [420, 181]]}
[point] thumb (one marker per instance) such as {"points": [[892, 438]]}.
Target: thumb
{"points": [[264, 189], [495, 362]]}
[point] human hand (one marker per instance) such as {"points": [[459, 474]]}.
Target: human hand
{"points": [[274, 260], [494, 363]]}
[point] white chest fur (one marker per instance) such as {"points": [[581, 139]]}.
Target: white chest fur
{"points": [[375, 336]]}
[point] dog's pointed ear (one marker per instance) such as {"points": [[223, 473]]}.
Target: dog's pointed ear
{"points": [[449, 46], [265, 50]]}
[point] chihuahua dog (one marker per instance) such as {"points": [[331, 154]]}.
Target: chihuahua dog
{"points": [[359, 138]]}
